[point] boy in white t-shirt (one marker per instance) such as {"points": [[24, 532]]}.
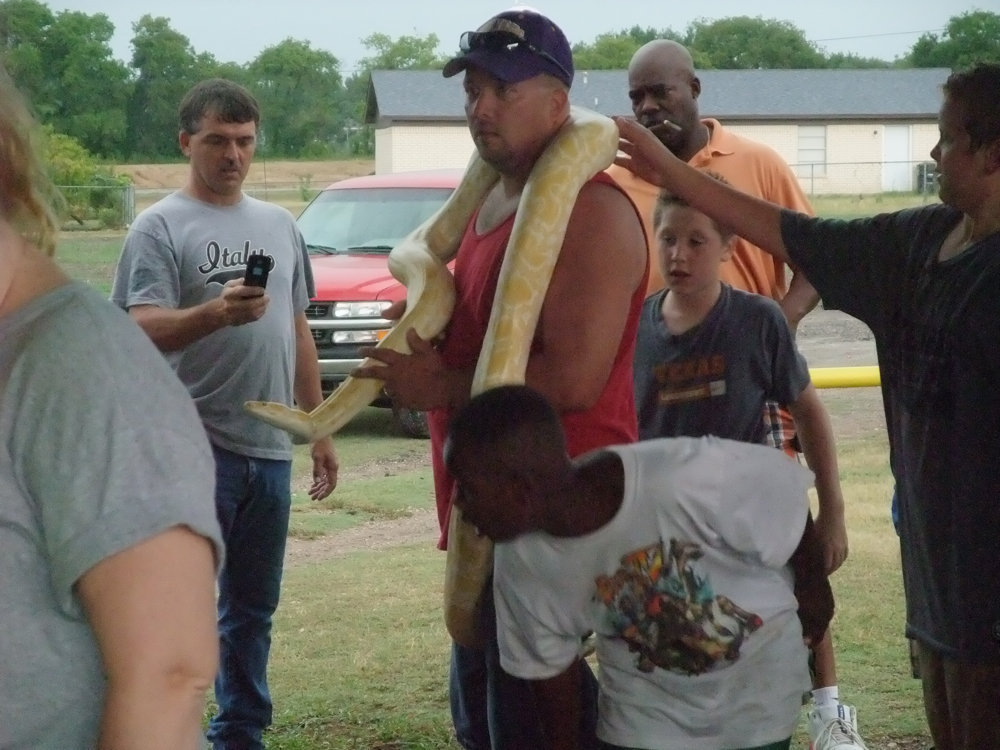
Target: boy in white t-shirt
{"points": [[678, 553]]}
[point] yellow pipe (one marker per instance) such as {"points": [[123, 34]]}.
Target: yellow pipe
{"points": [[845, 377]]}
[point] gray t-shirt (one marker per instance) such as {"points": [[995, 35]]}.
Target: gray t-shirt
{"points": [[100, 449], [179, 253], [715, 378]]}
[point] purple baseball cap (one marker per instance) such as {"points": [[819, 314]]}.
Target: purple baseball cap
{"points": [[514, 46]]}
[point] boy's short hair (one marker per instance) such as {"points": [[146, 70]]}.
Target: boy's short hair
{"points": [[975, 90], [666, 199], [228, 101]]}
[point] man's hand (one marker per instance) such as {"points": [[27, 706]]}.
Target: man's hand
{"points": [[325, 467], [242, 304], [412, 381]]}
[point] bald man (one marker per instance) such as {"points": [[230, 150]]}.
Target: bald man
{"points": [[662, 87]]}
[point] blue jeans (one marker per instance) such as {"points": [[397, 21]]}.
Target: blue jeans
{"points": [[492, 710], [252, 501]]}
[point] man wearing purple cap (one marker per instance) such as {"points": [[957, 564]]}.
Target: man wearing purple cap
{"points": [[518, 69]]}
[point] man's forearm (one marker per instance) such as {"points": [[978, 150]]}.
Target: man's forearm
{"points": [[307, 388], [812, 422], [172, 329]]}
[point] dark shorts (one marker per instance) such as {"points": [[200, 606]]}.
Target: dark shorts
{"points": [[961, 701]]}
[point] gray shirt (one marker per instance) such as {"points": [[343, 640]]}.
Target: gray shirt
{"points": [[715, 378], [179, 253], [100, 449]]}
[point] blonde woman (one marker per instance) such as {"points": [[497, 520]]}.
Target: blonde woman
{"points": [[108, 536]]}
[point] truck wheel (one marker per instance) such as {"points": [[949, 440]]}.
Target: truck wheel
{"points": [[413, 423]]}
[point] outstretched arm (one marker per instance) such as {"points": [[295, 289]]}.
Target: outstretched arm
{"points": [[756, 220], [812, 422]]}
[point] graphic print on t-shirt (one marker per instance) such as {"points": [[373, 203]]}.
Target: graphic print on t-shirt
{"points": [[691, 379], [223, 264], [669, 614]]}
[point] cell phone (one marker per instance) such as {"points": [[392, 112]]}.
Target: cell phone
{"points": [[258, 266]]}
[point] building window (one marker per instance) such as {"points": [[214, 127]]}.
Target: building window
{"points": [[812, 151]]}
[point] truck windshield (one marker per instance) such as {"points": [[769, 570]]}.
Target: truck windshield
{"points": [[366, 219]]}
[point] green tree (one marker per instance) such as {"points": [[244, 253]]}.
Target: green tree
{"points": [[167, 67], [614, 50], [741, 42], [968, 38], [94, 87], [65, 66], [358, 137], [404, 53], [90, 191], [298, 88], [23, 28], [850, 61]]}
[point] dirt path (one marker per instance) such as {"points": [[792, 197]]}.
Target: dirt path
{"points": [[420, 527]]}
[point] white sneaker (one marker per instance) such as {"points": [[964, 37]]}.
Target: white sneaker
{"points": [[834, 728]]}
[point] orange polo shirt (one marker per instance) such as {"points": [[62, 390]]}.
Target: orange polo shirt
{"points": [[749, 166]]}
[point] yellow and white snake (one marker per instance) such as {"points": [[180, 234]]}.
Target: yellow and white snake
{"points": [[585, 145]]}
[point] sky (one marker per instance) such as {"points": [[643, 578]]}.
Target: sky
{"points": [[237, 31]]}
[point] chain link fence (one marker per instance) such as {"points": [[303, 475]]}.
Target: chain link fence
{"points": [[98, 206], [115, 206]]}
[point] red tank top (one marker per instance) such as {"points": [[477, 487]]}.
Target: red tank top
{"points": [[611, 420]]}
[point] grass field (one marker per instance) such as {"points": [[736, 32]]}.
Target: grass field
{"points": [[360, 652]]}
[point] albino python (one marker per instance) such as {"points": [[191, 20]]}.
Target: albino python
{"points": [[585, 145]]}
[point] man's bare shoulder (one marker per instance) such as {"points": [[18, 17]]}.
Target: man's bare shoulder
{"points": [[604, 237], [606, 201]]}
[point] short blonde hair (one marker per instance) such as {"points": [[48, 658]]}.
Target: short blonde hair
{"points": [[666, 199], [27, 195]]}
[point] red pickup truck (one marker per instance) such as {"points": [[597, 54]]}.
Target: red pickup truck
{"points": [[350, 227]]}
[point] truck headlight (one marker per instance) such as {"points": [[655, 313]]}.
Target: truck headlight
{"points": [[358, 337], [372, 309]]}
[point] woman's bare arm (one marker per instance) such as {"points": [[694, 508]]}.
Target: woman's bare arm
{"points": [[152, 608]]}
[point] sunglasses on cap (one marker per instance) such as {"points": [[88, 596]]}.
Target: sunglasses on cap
{"points": [[501, 34]]}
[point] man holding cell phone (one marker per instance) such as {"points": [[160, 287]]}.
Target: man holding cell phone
{"points": [[220, 282]]}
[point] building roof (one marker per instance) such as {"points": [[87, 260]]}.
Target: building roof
{"points": [[815, 94]]}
